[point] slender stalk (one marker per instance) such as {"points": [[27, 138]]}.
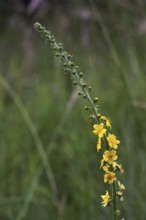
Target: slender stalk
{"points": [[114, 201]]}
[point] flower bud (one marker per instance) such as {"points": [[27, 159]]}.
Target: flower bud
{"points": [[92, 116], [84, 85], [86, 108], [57, 54], [79, 93], [95, 99], [69, 56], [84, 96], [81, 74]]}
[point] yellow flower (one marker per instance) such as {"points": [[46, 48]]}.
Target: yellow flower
{"points": [[102, 162], [119, 193], [107, 121], [118, 167], [99, 130], [106, 168], [106, 199], [103, 118], [110, 156], [98, 146], [112, 141], [109, 177], [121, 186]]}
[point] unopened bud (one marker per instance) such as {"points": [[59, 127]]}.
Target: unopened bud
{"points": [[72, 64], [69, 56], [84, 85], [81, 74], [95, 99], [52, 39], [79, 93], [60, 45], [86, 108], [66, 70], [65, 65], [37, 25], [92, 116], [117, 211]]}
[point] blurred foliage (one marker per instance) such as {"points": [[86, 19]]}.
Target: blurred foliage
{"points": [[109, 45], [116, 14]]}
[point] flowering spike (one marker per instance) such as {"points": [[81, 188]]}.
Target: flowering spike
{"points": [[105, 140]]}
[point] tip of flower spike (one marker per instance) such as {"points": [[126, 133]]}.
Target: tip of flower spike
{"points": [[37, 25]]}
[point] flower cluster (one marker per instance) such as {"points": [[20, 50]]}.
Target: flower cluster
{"points": [[109, 165]]}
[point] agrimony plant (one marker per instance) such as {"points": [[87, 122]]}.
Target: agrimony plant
{"points": [[107, 143]]}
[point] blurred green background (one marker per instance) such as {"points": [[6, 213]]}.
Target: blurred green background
{"points": [[49, 167]]}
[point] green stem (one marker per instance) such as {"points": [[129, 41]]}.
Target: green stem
{"points": [[114, 201]]}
